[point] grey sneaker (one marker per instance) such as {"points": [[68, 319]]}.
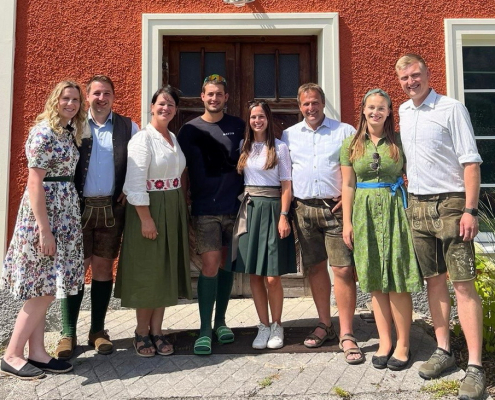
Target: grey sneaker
{"points": [[262, 337], [473, 384], [439, 362], [276, 340]]}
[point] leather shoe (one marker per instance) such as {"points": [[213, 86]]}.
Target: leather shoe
{"points": [[397, 365], [380, 362], [28, 372], [65, 348], [54, 365], [101, 342]]}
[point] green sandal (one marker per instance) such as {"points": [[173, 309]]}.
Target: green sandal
{"points": [[202, 346], [224, 334]]}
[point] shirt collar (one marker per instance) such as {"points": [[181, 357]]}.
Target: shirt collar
{"points": [[428, 102], [109, 118], [327, 122]]}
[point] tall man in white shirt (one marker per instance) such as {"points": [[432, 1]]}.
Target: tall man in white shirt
{"points": [[444, 182], [99, 179], [314, 146]]}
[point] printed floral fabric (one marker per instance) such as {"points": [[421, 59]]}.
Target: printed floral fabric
{"points": [[26, 272], [383, 249]]}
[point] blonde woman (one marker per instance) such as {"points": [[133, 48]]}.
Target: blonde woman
{"points": [[376, 227], [45, 256]]}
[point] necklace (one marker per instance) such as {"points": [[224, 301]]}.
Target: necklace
{"points": [[257, 148]]}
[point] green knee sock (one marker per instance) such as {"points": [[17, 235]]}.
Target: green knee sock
{"points": [[100, 297], [225, 282], [70, 312], [207, 292]]}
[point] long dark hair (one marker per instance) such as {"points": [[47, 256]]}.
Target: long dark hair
{"points": [[356, 149], [271, 158]]}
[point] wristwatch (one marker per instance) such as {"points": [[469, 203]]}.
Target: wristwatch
{"points": [[472, 211], [286, 213]]}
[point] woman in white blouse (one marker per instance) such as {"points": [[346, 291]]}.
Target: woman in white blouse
{"points": [[263, 244], [154, 261]]}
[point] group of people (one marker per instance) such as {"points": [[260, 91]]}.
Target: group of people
{"points": [[344, 190]]}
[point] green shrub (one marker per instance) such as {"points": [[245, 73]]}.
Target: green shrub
{"points": [[485, 279]]}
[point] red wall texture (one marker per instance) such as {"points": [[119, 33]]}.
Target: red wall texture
{"points": [[57, 39]]}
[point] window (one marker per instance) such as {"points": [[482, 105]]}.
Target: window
{"points": [[470, 57]]}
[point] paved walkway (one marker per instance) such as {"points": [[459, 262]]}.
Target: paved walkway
{"points": [[123, 375]]}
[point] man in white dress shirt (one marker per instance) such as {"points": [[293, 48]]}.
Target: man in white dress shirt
{"points": [[314, 146], [444, 183]]}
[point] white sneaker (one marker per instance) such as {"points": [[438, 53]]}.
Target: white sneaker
{"points": [[276, 340], [262, 337]]}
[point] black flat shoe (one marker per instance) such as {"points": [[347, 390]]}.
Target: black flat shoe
{"points": [[397, 365], [54, 365], [380, 362], [28, 372]]}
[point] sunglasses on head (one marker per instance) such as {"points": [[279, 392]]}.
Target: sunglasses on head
{"points": [[375, 165], [215, 78]]}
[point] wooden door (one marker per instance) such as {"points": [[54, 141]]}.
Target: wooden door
{"points": [[255, 67]]}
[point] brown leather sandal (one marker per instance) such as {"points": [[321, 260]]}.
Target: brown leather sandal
{"points": [[354, 350], [148, 344], [159, 347], [329, 335]]}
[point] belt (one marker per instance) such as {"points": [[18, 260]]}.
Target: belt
{"points": [[153, 185], [240, 225], [98, 201], [393, 187], [319, 202], [68, 178], [435, 197]]}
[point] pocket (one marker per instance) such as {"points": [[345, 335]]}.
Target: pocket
{"points": [[452, 206], [109, 217], [86, 216]]}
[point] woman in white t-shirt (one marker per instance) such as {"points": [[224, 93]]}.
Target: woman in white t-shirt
{"points": [[263, 244]]}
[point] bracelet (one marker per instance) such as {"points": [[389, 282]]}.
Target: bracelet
{"points": [[286, 213]]}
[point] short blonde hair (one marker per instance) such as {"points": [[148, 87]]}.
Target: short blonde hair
{"points": [[51, 115], [409, 59]]}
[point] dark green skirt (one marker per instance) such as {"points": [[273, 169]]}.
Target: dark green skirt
{"points": [[261, 251], [155, 273]]}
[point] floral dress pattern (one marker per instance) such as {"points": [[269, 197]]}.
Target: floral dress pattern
{"points": [[383, 249], [28, 273]]}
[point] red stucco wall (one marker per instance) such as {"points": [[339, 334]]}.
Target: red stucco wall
{"points": [[56, 39]]}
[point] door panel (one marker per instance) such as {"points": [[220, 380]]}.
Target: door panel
{"points": [[256, 67]]}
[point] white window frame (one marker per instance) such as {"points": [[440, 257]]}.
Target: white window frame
{"points": [[7, 49], [458, 33], [324, 25]]}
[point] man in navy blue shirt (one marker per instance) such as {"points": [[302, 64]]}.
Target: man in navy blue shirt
{"points": [[211, 146]]}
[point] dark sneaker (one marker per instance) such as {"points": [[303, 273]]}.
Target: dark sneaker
{"points": [[439, 362], [473, 384], [54, 365], [26, 373]]}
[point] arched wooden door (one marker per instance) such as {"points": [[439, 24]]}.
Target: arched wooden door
{"points": [[256, 67]]}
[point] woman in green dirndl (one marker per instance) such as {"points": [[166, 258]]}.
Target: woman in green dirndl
{"points": [[263, 244], [153, 267], [376, 226]]}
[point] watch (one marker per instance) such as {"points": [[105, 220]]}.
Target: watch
{"points": [[472, 211], [286, 213]]}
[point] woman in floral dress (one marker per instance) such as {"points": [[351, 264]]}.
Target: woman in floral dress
{"points": [[153, 267], [376, 227], [45, 256]]}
